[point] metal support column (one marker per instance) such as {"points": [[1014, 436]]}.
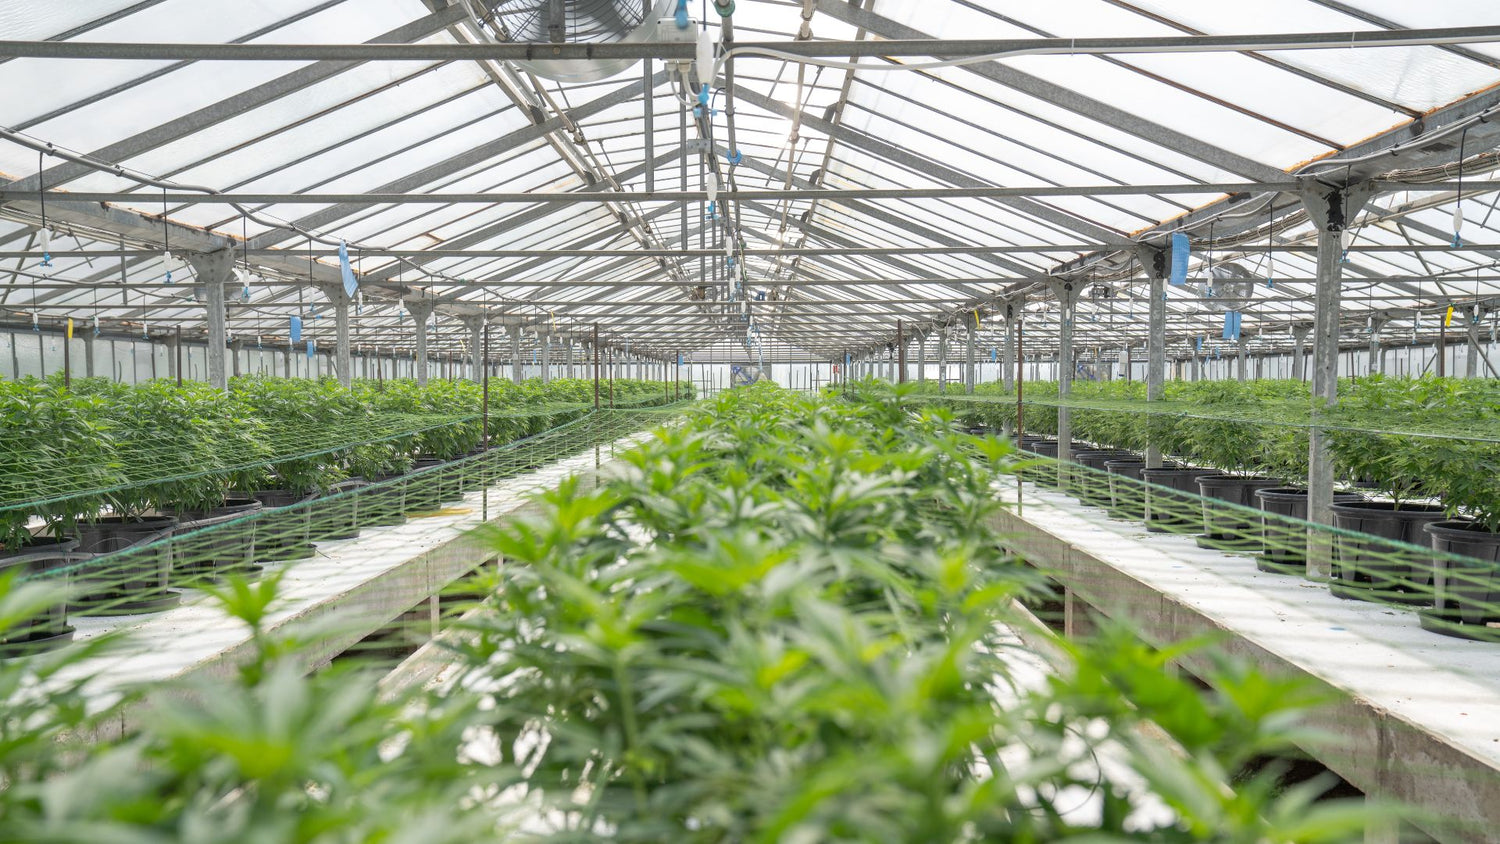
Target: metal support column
{"points": [[546, 358], [88, 354], [921, 357], [1244, 356], [568, 352], [214, 270]]}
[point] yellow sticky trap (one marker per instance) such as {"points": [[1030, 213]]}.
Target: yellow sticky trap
{"points": [[976, 319], [1448, 319], [70, 328]]}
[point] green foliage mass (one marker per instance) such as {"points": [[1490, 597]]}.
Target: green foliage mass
{"points": [[781, 621], [68, 453]]}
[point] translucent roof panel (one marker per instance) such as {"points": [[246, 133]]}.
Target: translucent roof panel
{"points": [[832, 274]]}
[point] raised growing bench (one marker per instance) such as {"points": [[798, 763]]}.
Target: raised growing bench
{"points": [[348, 591], [1417, 716]]}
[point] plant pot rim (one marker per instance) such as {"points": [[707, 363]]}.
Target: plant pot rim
{"points": [[156, 522], [1455, 528], [1184, 470], [40, 548], [1291, 492], [1353, 508], [1218, 477]]}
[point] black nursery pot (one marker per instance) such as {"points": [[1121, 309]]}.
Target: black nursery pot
{"points": [[383, 503], [1283, 546], [335, 514], [1126, 498], [427, 487], [1167, 509], [1227, 528], [284, 533], [1090, 483], [128, 577], [1466, 593], [201, 549], [1370, 570], [48, 629]]}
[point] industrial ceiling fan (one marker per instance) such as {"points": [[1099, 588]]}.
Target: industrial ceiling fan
{"points": [[575, 22]]}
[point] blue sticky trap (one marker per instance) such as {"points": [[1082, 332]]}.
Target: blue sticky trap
{"points": [[351, 284], [1200, 343], [312, 347], [295, 327], [994, 355], [1181, 251]]}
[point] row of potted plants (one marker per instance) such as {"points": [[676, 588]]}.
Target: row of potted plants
{"points": [[105, 467], [1398, 437]]}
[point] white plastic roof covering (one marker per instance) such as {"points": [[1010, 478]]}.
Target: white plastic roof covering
{"points": [[435, 127]]}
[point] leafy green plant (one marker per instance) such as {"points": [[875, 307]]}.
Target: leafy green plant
{"points": [[54, 447]]}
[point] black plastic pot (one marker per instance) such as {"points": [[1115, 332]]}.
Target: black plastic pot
{"points": [[1225, 528], [1283, 546], [49, 629], [128, 573], [1126, 499], [284, 534], [383, 503], [1090, 483], [1368, 569], [1045, 448], [1466, 593], [202, 549], [1167, 509], [335, 514], [434, 481]]}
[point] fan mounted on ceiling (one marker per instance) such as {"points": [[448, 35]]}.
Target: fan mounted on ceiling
{"points": [[1229, 285], [576, 22]]}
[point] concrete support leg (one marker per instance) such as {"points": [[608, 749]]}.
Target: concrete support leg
{"points": [[1471, 363], [970, 350], [1067, 301], [215, 270], [1375, 360], [1008, 353], [421, 312], [515, 354], [921, 357], [236, 347], [568, 354], [1299, 352], [942, 353], [1243, 357], [475, 324], [88, 353], [1156, 353], [1331, 210], [547, 359]]}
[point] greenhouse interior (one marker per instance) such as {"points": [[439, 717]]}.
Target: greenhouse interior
{"points": [[749, 420]]}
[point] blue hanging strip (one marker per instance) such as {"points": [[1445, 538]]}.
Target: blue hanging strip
{"points": [[295, 327], [1181, 252], [1228, 325], [351, 283], [312, 347]]}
